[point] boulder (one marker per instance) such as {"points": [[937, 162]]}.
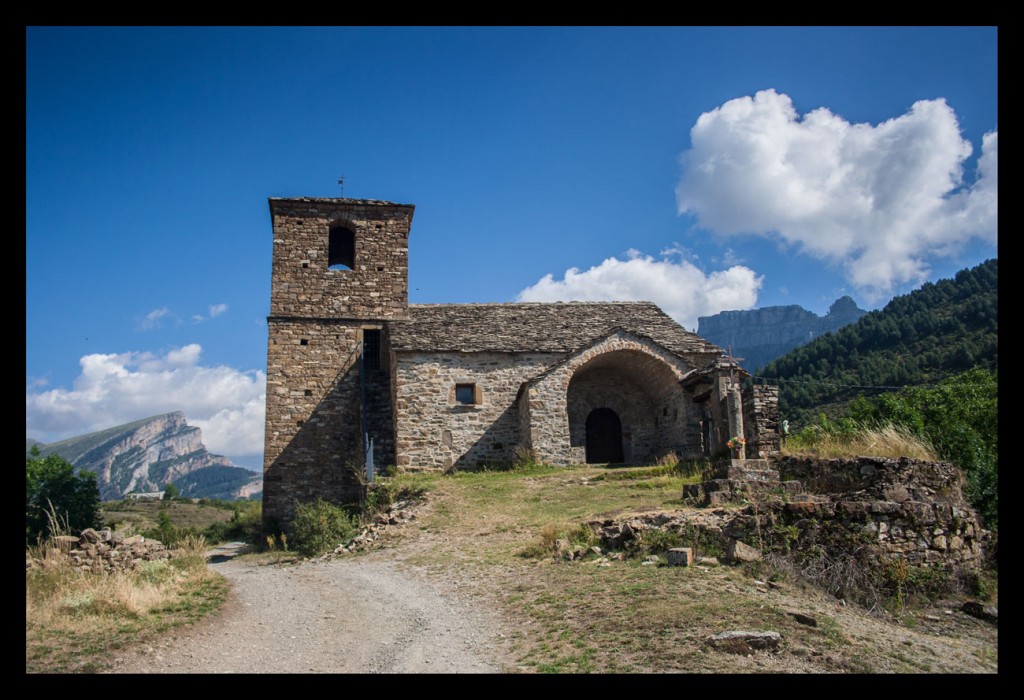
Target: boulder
{"points": [[739, 552], [980, 611], [744, 642]]}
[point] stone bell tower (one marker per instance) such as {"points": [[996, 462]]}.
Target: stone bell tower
{"points": [[340, 274]]}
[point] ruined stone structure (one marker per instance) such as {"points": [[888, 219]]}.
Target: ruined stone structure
{"points": [[443, 386], [901, 508]]}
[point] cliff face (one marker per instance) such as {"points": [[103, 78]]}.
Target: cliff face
{"points": [[761, 335], [147, 455]]}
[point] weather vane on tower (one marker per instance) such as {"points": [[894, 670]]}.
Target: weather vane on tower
{"points": [[341, 183]]}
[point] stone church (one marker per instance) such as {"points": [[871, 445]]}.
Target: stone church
{"points": [[350, 364]]}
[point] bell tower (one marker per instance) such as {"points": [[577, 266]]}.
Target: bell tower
{"points": [[340, 274], [340, 258]]}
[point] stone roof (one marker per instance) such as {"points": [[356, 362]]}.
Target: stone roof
{"points": [[338, 200], [536, 327], [718, 366]]}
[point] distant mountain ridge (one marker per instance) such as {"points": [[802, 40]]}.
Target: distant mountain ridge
{"points": [[760, 335], [146, 455]]}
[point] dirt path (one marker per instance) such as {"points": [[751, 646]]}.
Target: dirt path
{"points": [[364, 614]]}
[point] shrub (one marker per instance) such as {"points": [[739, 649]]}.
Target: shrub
{"points": [[383, 493], [320, 526], [246, 523], [703, 541], [526, 457]]}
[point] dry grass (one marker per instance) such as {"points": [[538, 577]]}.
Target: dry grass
{"points": [[886, 441], [73, 619]]}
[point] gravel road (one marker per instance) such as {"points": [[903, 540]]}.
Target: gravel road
{"points": [[360, 614]]}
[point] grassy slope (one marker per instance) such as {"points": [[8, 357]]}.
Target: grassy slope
{"points": [[629, 617]]}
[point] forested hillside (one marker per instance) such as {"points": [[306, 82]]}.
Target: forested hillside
{"points": [[942, 329]]}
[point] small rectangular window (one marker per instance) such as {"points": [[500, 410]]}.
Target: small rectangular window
{"points": [[303, 341], [465, 394]]}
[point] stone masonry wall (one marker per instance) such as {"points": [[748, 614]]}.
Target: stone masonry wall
{"points": [[312, 421], [761, 420], [908, 508], [433, 431], [301, 283], [102, 552], [873, 511]]}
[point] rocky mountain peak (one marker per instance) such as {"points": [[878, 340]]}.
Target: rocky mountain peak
{"points": [[761, 335], [845, 306]]}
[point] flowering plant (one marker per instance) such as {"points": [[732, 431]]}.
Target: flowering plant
{"points": [[736, 442]]}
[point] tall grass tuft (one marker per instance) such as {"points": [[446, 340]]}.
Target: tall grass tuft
{"points": [[851, 439]]}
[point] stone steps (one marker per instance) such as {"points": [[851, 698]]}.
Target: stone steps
{"points": [[748, 470], [739, 479]]}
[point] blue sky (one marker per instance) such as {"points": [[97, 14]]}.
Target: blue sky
{"points": [[704, 168]]}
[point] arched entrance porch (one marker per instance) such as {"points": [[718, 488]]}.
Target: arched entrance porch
{"points": [[624, 406]]}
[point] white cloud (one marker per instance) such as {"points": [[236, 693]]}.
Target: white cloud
{"points": [[880, 200], [227, 404], [36, 382], [154, 318], [217, 309], [681, 289]]}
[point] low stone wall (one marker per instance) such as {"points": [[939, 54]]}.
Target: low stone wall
{"points": [[105, 551], [889, 509], [903, 507], [870, 478]]}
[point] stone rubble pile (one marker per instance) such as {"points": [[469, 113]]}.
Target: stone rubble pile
{"points": [[106, 551], [396, 517]]}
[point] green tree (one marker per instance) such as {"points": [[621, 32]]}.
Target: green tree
{"points": [[171, 492], [53, 487]]}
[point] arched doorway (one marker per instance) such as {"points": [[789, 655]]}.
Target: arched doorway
{"points": [[604, 436]]}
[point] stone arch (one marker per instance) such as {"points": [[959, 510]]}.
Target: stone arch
{"points": [[625, 373], [341, 246]]}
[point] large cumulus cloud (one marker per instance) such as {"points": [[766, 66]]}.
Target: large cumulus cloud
{"points": [[880, 200], [681, 289]]}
